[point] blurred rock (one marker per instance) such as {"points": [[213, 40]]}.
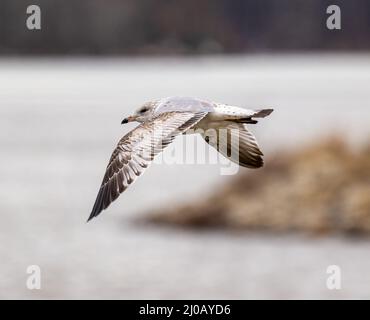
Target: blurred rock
{"points": [[320, 188]]}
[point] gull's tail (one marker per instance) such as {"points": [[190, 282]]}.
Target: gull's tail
{"points": [[262, 113], [258, 114]]}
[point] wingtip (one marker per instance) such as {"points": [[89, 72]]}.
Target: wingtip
{"points": [[97, 208], [94, 213]]}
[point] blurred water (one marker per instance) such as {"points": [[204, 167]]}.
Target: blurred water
{"points": [[59, 122]]}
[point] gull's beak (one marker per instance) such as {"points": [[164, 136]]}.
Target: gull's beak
{"points": [[128, 119]]}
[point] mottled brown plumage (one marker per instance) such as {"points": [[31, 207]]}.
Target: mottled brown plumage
{"points": [[162, 120], [136, 150]]}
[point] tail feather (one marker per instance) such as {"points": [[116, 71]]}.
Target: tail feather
{"points": [[262, 113], [246, 120], [258, 114]]}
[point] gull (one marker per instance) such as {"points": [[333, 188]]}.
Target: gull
{"points": [[161, 121]]}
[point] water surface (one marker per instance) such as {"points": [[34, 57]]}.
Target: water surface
{"points": [[59, 122]]}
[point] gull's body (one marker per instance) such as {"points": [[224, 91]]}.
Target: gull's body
{"points": [[161, 121]]}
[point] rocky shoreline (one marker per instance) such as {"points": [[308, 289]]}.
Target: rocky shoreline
{"points": [[320, 188]]}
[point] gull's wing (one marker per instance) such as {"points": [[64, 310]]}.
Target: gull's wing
{"points": [[136, 150], [236, 143], [184, 104]]}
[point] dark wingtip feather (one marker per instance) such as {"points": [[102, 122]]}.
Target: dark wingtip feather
{"points": [[97, 207], [93, 214], [251, 162]]}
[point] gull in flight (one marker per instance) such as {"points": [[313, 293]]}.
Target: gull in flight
{"points": [[161, 121]]}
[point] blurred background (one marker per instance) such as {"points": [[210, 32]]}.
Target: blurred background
{"points": [[185, 231]]}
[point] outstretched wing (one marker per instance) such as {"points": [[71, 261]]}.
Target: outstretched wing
{"points": [[235, 142], [136, 150]]}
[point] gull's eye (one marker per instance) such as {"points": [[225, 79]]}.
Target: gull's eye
{"points": [[143, 110]]}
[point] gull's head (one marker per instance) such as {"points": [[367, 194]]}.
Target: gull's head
{"points": [[142, 114]]}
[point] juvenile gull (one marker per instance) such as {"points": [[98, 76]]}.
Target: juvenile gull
{"points": [[161, 121]]}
